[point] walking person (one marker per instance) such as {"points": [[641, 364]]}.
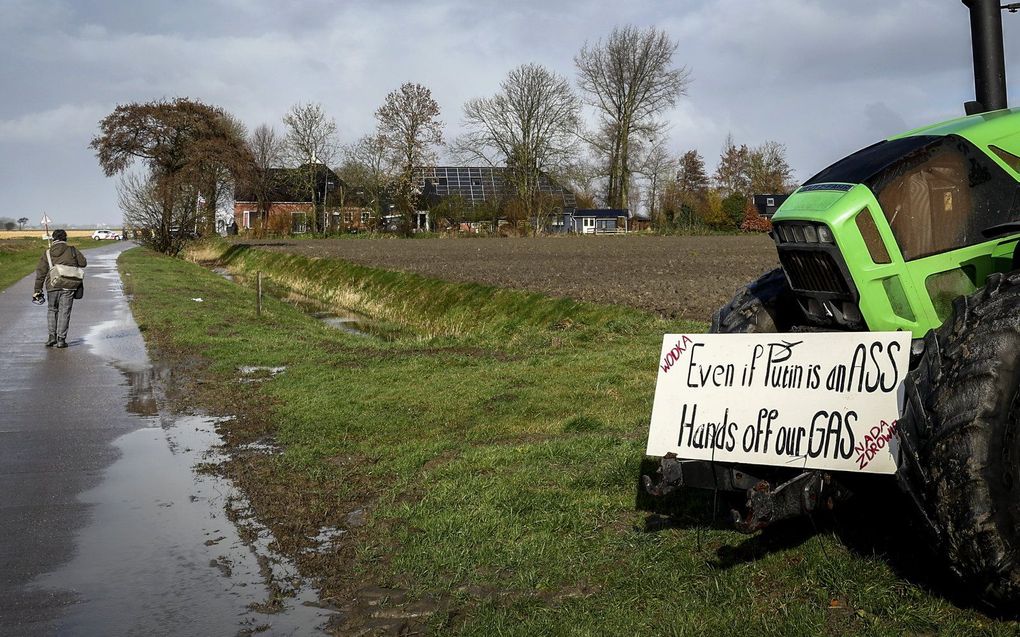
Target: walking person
{"points": [[61, 268]]}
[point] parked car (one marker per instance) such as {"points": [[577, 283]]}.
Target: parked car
{"points": [[99, 235]]}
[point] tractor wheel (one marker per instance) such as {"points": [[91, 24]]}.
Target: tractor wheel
{"points": [[765, 305], [961, 444]]}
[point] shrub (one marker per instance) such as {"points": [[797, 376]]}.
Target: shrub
{"points": [[754, 222], [733, 207]]}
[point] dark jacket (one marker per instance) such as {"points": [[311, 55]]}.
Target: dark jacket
{"points": [[63, 254]]}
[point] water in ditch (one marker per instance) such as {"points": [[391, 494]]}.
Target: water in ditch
{"points": [[347, 322]]}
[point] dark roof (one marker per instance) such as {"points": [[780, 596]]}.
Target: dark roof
{"points": [[603, 213], [868, 162], [482, 183], [291, 184]]}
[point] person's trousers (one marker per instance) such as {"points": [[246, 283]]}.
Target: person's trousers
{"points": [[59, 315]]}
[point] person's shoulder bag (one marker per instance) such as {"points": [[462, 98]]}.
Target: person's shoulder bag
{"points": [[61, 271]]}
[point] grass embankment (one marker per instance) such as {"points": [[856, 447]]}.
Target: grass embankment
{"points": [[18, 257], [494, 447]]}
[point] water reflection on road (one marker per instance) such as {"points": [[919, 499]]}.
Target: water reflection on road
{"points": [[160, 554]]}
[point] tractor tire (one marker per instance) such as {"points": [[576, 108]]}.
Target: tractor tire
{"points": [[764, 305], [960, 440]]}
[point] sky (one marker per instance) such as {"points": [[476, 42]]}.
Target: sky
{"points": [[822, 77]]}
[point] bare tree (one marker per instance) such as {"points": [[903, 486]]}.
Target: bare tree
{"points": [[265, 147], [365, 169], [311, 139], [629, 79], [530, 126], [657, 166], [161, 207], [581, 176], [311, 135], [410, 128]]}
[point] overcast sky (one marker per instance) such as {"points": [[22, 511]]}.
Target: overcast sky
{"points": [[823, 78]]}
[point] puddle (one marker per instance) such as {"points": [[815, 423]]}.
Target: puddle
{"points": [[223, 272], [162, 556], [260, 447], [160, 553], [326, 540], [258, 374], [347, 322], [251, 370]]}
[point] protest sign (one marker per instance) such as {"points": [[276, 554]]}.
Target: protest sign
{"points": [[806, 400]]}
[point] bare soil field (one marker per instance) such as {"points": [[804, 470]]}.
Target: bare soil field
{"points": [[675, 277]]}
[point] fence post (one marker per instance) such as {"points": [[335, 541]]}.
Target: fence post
{"points": [[258, 306]]}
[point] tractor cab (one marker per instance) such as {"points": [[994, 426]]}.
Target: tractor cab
{"points": [[885, 238]]}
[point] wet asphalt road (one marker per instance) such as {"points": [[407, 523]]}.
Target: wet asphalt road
{"points": [[59, 412], [105, 529]]}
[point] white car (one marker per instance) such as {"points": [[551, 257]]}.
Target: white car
{"points": [[99, 235]]}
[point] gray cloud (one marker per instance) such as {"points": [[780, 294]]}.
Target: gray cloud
{"points": [[823, 78]]}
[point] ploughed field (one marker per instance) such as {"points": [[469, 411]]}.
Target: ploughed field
{"points": [[675, 277]]}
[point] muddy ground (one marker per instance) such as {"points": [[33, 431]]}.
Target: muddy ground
{"points": [[675, 277]]}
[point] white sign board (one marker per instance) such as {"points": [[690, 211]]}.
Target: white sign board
{"points": [[807, 400], [45, 219]]}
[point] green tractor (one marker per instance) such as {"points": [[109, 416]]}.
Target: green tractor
{"points": [[921, 233]]}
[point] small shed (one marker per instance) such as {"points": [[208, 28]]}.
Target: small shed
{"points": [[768, 204], [598, 221]]}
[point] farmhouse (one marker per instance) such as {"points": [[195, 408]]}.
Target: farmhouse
{"points": [[294, 195], [476, 187]]}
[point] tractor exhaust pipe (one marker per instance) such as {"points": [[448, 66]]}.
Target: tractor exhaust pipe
{"points": [[989, 60]]}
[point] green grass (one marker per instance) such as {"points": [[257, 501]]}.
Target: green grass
{"points": [[496, 444], [18, 258]]}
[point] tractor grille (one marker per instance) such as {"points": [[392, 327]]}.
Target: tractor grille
{"points": [[814, 271]]}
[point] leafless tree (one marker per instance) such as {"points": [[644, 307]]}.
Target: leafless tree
{"points": [[265, 147], [163, 209], [530, 126], [581, 175], [366, 170], [410, 129], [311, 139], [311, 135], [657, 166], [629, 79]]}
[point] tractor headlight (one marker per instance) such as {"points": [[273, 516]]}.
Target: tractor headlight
{"points": [[803, 233], [825, 235]]}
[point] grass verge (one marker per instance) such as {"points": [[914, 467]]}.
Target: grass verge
{"points": [[481, 467], [18, 257]]}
